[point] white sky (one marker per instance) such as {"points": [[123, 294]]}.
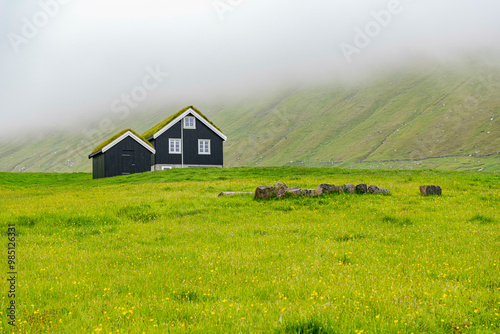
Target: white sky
{"points": [[92, 51]]}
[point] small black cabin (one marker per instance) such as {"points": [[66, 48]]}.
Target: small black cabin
{"points": [[124, 153], [186, 139]]}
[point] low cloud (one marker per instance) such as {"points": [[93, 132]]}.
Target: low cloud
{"points": [[64, 61]]}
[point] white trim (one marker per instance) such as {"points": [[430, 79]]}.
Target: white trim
{"points": [[182, 147], [209, 147], [159, 166], [169, 146], [184, 114], [189, 127], [125, 135]]}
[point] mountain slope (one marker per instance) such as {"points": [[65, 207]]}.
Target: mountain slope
{"points": [[406, 115], [413, 113]]}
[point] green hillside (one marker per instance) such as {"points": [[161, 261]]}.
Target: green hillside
{"points": [[405, 115], [417, 116]]}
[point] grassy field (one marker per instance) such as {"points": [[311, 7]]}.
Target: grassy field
{"points": [[160, 252]]}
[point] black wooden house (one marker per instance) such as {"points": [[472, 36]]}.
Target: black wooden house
{"points": [[186, 139], [124, 153]]}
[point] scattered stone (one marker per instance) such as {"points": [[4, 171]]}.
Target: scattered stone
{"points": [[280, 189], [349, 188], [264, 192], [295, 191], [231, 193], [376, 190], [338, 189], [361, 188], [427, 190], [311, 192], [326, 188]]}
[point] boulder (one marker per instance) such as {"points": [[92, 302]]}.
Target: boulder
{"points": [[311, 192], [338, 189], [427, 190], [361, 188], [264, 192], [295, 191], [280, 189], [326, 188], [349, 188], [376, 190], [232, 193]]}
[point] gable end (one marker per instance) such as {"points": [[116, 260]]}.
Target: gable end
{"points": [[179, 118]]}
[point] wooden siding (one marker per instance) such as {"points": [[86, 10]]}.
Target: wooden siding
{"points": [[189, 146], [191, 136], [98, 166], [161, 146], [127, 157]]}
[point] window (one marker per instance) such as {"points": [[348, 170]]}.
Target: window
{"points": [[203, 146], [189, 123], [166, 167], [174, 146]]}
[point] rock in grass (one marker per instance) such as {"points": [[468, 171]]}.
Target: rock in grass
{"points": [[326, 188], [232, 193], [295, 191], [338, 189], [349, 188], [361, 188], [264, 192], [427, 190], [280, 189], [376, 190], [311, 192]]}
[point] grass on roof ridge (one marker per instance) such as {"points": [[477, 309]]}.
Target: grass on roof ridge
{"points": [[110, 140], [149, 133]]}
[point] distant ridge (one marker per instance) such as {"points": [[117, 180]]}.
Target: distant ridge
{"points": [[430, 116]]}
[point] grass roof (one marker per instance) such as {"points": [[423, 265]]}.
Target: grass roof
{"points": [[166, 121], [110, 140]]}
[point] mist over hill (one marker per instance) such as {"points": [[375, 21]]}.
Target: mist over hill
{"points": [[430, 115]]}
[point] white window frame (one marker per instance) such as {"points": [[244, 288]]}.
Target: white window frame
{"points": [[209, 147], [166, 167], [189, 126], [170, 140]]}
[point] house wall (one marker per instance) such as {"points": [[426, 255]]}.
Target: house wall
{"points": [[191, 156], [127, 157], [98, 166], [161, 146], [189, 146]]}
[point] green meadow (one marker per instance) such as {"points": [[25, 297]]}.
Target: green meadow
{"points": [[159, 252]]}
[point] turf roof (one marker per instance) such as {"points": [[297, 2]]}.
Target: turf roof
{"points": [[166, 121], [110, 140]]}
